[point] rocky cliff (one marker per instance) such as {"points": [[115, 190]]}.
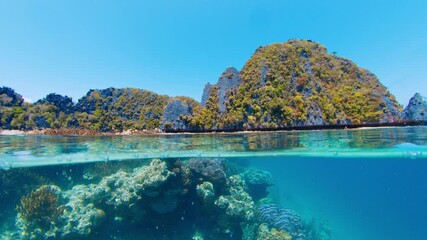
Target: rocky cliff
{"points": [[416, 109], [291, 84], [297, 83], [114, 109], [229, 80], [177, 112]]}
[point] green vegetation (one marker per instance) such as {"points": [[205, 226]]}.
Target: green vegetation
{"points": [[116, 110], [208, 116], [107, 110], [296, 83]]}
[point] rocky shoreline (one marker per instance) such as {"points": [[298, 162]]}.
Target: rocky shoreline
{"points": [[296, 85], [85, 132]]}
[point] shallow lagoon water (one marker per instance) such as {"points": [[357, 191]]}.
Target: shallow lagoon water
{"points": [[356, 184]]}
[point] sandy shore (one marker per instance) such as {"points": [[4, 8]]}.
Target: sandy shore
{"points": [[12, 132]]}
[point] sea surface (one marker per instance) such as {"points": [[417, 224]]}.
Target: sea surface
{"points": [[358, 184]]}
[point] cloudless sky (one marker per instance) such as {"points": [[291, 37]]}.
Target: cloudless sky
{"points": [[175, 47]]}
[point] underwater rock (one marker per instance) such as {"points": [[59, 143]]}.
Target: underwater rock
{"points": [[213, 169], [257, 181], [238, 203], [206, 192], [282, 219]]}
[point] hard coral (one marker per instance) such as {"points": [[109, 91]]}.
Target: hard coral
{"points": [[206, 192], [266, 233], [41, 207], [212, 169], [282, 219], [257, 182], [238, 203]]}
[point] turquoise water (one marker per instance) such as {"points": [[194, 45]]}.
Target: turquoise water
{"points": [[336, 184]]}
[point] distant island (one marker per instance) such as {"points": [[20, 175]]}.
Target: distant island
{"points": [[291, 85]]}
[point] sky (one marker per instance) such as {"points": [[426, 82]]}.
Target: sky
{"points": [[176, 47]]}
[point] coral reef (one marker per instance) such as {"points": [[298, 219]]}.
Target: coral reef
{"points": [[237, 203], [174, 199], [97, 171], [213, 169], [40, 211], [281, 218], [257, 181], [120, 192], [80, 217], [41, 207], [266, 233], [206, 192], [86, 206]]}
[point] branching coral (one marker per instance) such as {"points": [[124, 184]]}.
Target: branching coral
{"points": [[41, 208]]}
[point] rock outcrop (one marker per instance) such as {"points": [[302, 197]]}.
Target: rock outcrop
{"points": [[298, 83], [174, 115], [121, 109], [230, 79], [206, 93], [416, 109], [9, 98]]}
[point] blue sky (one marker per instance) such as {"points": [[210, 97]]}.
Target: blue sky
{"points": [[175, 47]]}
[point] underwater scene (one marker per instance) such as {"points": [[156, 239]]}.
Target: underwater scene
{"points": [[357, 184]]}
